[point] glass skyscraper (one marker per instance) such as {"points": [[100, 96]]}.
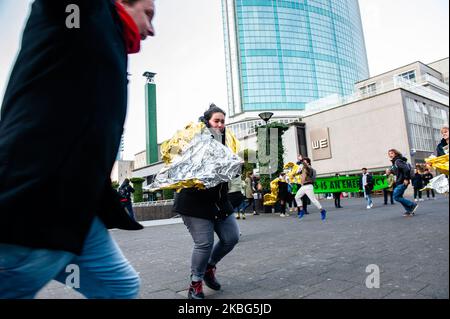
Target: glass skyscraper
{"points": [[283, 54]]}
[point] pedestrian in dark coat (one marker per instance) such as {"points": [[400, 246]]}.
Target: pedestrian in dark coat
{"points": [[337, 195], [125, 191], [427, 177], [417, 182], [205, 212], [61, 122], [283, 193]]}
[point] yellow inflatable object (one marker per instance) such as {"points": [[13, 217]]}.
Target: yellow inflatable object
{"points": [[292, 174], [271, 198], [440, 163], [294, 177], [174, 147]]}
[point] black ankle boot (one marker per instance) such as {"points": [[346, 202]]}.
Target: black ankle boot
{"points": [[196, 290], [210, 278]]}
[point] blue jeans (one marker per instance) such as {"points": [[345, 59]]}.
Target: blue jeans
{"points": [[103, 270], [399, 190], [245, 204], [129, 208], [368, 198], [202, 232]]}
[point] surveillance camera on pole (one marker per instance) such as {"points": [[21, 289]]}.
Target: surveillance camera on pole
{"points": [[149, 76]]}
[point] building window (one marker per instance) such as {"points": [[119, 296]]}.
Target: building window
{"points": [[410, 76], [372, 88], [363, 90], [368, 89], [425, 121]]}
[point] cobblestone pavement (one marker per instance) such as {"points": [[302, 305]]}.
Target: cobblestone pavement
{"points": [[288, 258]]}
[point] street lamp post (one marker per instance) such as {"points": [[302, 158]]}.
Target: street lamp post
{"points": [[265, 116]]}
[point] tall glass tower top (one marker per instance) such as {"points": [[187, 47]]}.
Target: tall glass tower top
{"points": [[283, 54]]}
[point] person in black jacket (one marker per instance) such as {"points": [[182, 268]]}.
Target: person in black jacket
{"points": [[62, 118], [205, 212], [427, 177], [417, 182], [125, 191], [283, 193], [442, 147], [402, 171], [337, 196]]}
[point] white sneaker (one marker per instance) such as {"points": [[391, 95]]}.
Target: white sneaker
{"points": [[368, 207], [282, 215], [415, 199], [371, 205], [287, 214], [421, 200]]}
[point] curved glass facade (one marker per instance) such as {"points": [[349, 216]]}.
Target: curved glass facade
{"points": [[282, 54]]}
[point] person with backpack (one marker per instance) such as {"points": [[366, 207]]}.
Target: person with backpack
{"points": [[308, 177], [366, 184], [296, 187], [125, 191], [403, 171]]}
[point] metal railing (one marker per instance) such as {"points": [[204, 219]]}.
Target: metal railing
{"points": [[382, 87], [165, 202]]}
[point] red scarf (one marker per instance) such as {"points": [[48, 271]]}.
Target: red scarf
{"points": [[131, 34]]}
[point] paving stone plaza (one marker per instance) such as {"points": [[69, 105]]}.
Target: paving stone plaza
{"points": [[288, 258]]}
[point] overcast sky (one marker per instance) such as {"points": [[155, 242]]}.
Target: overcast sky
{"points": [[188, 54]]}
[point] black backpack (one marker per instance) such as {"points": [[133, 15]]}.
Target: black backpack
{"points": [[409, 173], [313, 175]]}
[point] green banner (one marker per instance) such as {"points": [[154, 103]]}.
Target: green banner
{"points": [[348, 184]]}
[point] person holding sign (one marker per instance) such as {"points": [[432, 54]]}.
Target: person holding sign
{"points": [[366, 184], [308, 177]]}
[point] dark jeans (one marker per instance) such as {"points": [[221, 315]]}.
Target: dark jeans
{"points": [[247, 203], [428, 193], [417, 191], [386, 193], [103, 270], [337, 199], [205, 252], [399, 190], [129, 208]]}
